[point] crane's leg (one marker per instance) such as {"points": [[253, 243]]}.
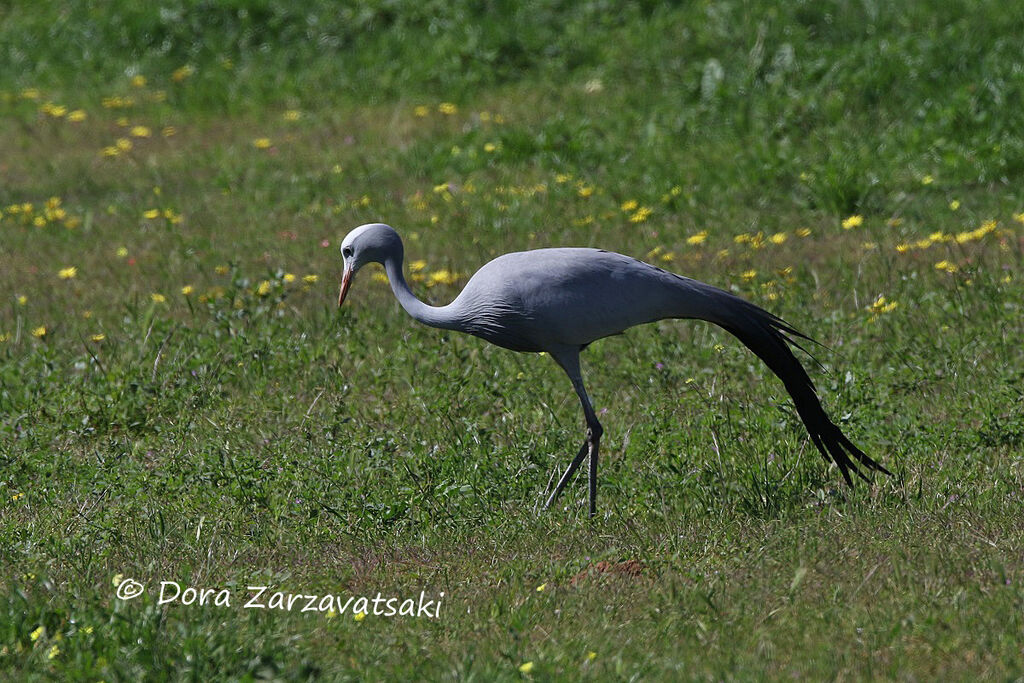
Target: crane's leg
{"points": [[569, 359]]}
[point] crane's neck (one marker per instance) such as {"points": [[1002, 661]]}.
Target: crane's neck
{"points": [[435, 316]]}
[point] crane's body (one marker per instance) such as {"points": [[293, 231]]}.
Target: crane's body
{"points": [[560, 300]]}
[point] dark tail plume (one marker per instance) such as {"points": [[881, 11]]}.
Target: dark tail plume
{"points": [[770, 337]]}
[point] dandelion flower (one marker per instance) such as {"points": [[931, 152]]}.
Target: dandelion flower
{"points": [[122, 252], [67, 273], [261, 143], [222, 269], [39, 332], [490, 147], [947, 266], [447, 108], [853, 221], [123, 144], [927, 180], [359, 616], [749, 274], [591, 656], [417, 265], [264, 288], [1019, 217], [629, 205], [187, 290], [22, 299], [6, 337], [37, 633], [151, 213], [421, 111], [110, 151], [77, 115], [526, 667], [98, 337], [138, 81], [140, 132], [778, 238], [641, 215], [540, 588], [168, 131], [289, 277], [310, 279], [157, 298], [954, 205], [292, 115], [181, 73]]}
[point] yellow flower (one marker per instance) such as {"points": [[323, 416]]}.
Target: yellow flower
{"points": [[187, 290], [22, 299], [853, 221], [30, 94], [490, 147], [630, 205], [140, 132], [540, 588], [927, 180], [1019, 217], [222, 269], [87, 630], [17, 496], [778, 238], [417, 265], [157, 298], [123, 144], [168, 131], [563, 178], [138, 81], [947, 266], [87, 315], [331, 613], [289, 277], [261, 143], [122, 252], [264, 288], [67, 273], [380, 276], [421, 111], [310, 279], [749, 274], [881, 305], [585, 191], [442, 277], [954, 205], [591, 656], [641, 214], [6, 337], [903, 248], [38, 633], [526, 667], [359, 616], [98, 337], [151, 213], [292, 115], [54, 651], [39, 332], [118, 578], [77, 115], [447, 108], [110, 151], [181, 73]]}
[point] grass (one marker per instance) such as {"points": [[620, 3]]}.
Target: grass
{"points": [[189, 405]]}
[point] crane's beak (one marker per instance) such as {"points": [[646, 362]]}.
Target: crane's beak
{"points": [[346, 280]]}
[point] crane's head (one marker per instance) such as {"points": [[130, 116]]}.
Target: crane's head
{"points": [[370, 243]]}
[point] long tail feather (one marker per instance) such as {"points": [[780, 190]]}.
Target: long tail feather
{"points": [[769, 337]]}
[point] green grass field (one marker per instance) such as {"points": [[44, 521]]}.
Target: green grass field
{"points": [[182, 400]]}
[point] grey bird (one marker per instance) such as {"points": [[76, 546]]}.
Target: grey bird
{"points": [[560, 300]]}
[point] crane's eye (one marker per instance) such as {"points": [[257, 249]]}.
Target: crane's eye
{"points": [[347, 252]]}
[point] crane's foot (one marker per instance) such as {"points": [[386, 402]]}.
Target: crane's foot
{"points": [[589, 448]]}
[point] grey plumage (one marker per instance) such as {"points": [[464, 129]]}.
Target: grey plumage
{"points": [[561, 300]]}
